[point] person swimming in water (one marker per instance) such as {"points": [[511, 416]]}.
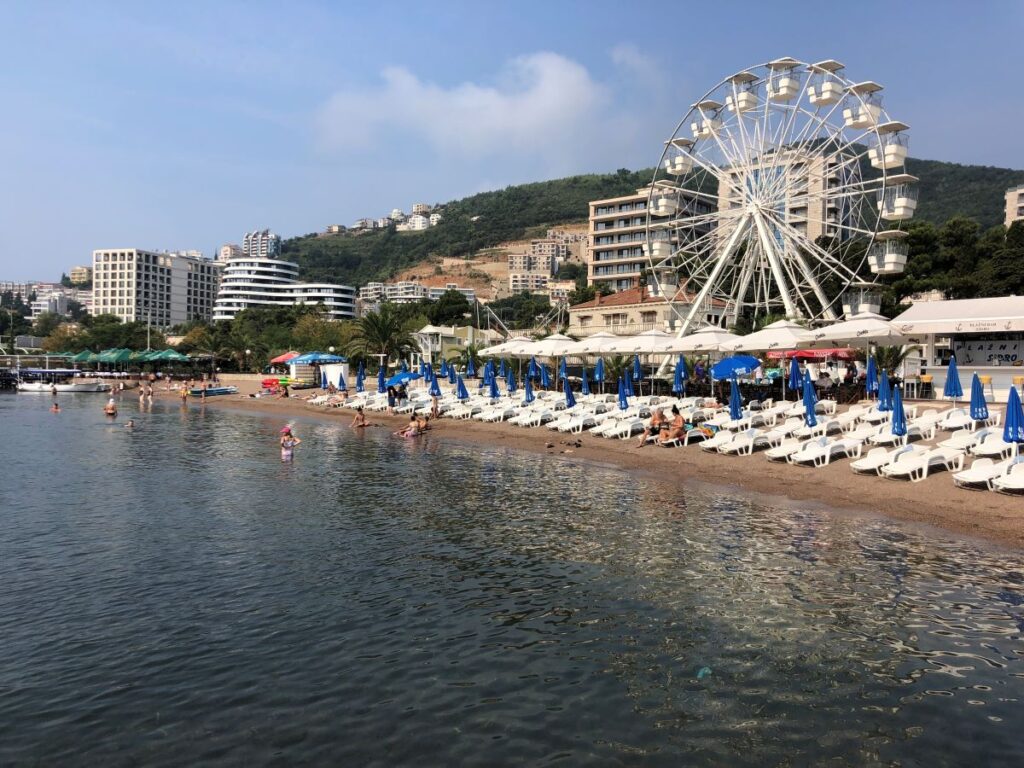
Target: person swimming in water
{"points": [[288, 443], [55, 408], [130, 424], [111, 407]]}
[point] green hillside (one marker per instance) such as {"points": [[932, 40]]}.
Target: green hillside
{"points": [[489, 218]]}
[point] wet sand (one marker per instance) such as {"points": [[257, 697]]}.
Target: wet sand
{"points": [[935, 501]]}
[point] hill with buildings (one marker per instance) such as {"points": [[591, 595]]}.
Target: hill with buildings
{"points": [[488, 219]]}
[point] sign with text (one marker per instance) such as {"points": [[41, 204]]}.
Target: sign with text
{"points": [[988, 352]]}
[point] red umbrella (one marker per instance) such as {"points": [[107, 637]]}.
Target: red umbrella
{"points": [[284, 358]]}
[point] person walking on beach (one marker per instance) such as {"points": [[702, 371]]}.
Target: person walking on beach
{"points": [[392, 399], [288, 443]]}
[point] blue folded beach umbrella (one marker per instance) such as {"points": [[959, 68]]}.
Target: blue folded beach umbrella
{"points": [[899, 416], [323, 379], [423, 369], [678, 380], [871, 379], [451, 374], [402, 378], [735, 407], [342, 386], [584, 384], [623, 400], [599, 371], [737, 365], [637, 370], [528, 390], [510, 382], [360, 379], [428, 372], [570, 401], [492, 388], [628, 381], [979, 408], [471, 368], [443, 369], [501, 369], [562, 369], [810, 400], [953, 388], [404, 368], [1013, 420], [435, 387], [381, 386], [460, 389], [795, 381], [884, 393], [531, 369], [545, 377]]}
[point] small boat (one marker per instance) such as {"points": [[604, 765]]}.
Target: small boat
{"points": [[57, 379], [211, 391]]}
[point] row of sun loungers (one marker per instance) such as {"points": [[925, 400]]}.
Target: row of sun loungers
{"points": [[861, 434]]}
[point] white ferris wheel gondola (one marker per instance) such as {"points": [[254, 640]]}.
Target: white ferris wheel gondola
{"points": [[771, 193]]}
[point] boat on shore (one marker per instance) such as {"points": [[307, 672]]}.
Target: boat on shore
{"points": [[57, 379], [212, 391]]}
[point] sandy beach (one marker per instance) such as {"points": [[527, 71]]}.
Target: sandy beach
{"points": [[934, 502]]}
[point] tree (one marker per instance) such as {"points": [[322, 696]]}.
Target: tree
{"points": [[65, 339], [889, 359], [46, 323], [1004, 273], [449, 309], [315, 332], [381, 333]]}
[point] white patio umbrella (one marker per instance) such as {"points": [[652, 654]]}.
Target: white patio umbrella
{"points": [[641, 344], [783, 334], [508, 348], [596, 344], [554, 345], [705, 340], [859, 329]]}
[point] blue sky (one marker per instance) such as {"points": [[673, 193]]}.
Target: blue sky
{"points": [[183, 125]]}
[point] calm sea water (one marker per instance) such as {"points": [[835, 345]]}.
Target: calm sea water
{"points": [[175, 595]]}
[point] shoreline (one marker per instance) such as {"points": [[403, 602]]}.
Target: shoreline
{"points": [[935, 502]]}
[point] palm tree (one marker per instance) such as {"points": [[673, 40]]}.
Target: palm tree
{"points": [[381, 333], [889, 359], [463, 356]]}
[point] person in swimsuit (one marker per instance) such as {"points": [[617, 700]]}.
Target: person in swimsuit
{"points": [[55, 408], [110, 408], [413, 430], [675, 428], [658, 421], [359, 420], [288, 443]]}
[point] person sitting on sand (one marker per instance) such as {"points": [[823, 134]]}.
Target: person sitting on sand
{"points": [[658, 421], [423, 423], [413, 430], [673, 429], [359, 420]]}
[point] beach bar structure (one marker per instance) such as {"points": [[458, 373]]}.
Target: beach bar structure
{"points": [[986, 335]]}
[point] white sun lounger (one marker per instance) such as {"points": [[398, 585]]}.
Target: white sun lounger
{"points": [[1012, 482], [876, 458], [744, 443], [915, 466], [965, 439], [994, 446], [808, 447], [782, 451], [984, 471], [721, 438]]}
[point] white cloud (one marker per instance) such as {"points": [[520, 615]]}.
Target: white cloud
{"points": [[539, 104], [628, 57]]}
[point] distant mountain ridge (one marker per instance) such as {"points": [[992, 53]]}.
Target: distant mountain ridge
{"points": [[486, 219]]}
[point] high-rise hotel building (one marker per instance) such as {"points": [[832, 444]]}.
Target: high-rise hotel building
{"points": [[254, 282], [262, 244], [160, 288]]}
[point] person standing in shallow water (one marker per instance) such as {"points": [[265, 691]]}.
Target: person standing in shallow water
{"points": [[288, 443]]}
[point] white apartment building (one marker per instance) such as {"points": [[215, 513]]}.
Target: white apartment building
{"points": [[251, 282], [408, 292], [617, 233], [418, 221], [160, 288], [535, 282], [397, 215], [421, 209], [559, 290], [54, 302], [1014, 205], [262, 244], [435, 219], [229, 251]]}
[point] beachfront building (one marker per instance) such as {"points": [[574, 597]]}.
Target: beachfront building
{"points": [[986, 335], [157, 287], [80, 275], [251, 282], [635, 310], [617, 233], [443, 342], [262, 244], [1014, 205]]}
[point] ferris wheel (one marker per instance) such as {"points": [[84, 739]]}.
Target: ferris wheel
{"points": [[780, 191]]}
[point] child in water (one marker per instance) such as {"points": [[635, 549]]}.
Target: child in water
{"points": [[288, 443]]}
